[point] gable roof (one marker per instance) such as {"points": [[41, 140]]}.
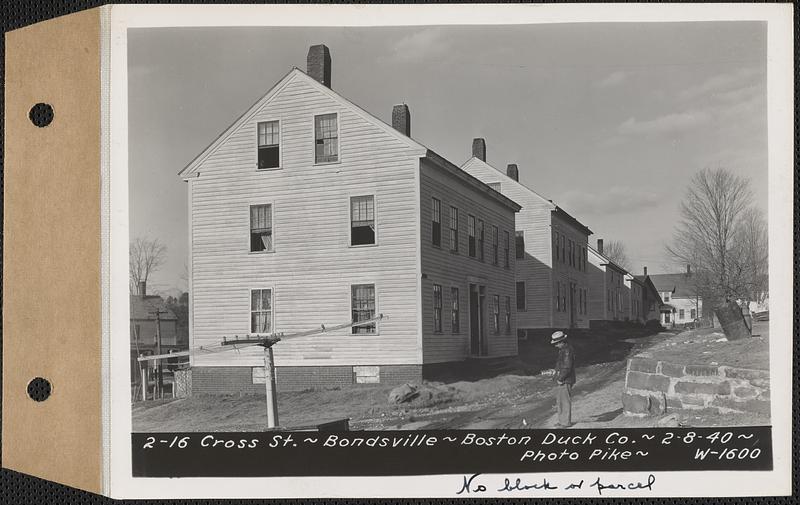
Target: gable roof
{"points": [[144, 308], [680, 285], [294, 73], [560, 212], [647, 283], [476, 183], [606, 261]]}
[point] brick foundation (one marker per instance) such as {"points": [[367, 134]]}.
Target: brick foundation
{"points": [[239, 380], [652, 387]]}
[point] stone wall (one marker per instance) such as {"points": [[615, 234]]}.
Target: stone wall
{"points": [[653, 387]]}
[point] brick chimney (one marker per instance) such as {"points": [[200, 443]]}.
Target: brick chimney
{"points": [[645, 271], [600, 245], [318, 64], [479, 149], [142, 288], [401, 119], [512, 171]]}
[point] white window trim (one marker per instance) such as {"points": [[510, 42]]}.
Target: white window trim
{"points": [[250, 310], [350, 219], [280, 144], [274, 235], [314, 138], [350, 308]]}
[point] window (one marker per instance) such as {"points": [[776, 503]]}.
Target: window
{"points": [[680, 314], [521, 296], [496, 313], [260, 228], [455, 316], [437, 308], [666, 296], [520, 245], [326, 138], [480, 238], [436, 222], [362, 220], [471, 233], [694, 314], [261, 311], [569, 253], [362, 306], [453, 229], [505, 248], [563, 249], [558, 296], [495, 186], [555, 247], [495, 238], [508, 314], [268, 145]]}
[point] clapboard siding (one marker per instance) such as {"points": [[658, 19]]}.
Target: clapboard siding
{"points": [[313, 266], [610, 296], [570, 274], [538, 270], [440, 266]]}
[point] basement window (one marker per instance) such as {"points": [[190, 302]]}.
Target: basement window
{"points": [[363, 307], [326, 138], [261, 228], [268, 145], [362, 220]]}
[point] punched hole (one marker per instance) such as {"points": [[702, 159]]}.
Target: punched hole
{"points": [[41, 114], [39, 389]]}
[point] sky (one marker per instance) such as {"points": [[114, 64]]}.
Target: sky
{"points": [[609, 120]]}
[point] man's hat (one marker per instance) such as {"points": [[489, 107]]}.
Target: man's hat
{"points": [[557, 337]]}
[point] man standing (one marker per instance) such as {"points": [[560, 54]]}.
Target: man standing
{"points": [[564, 377]]}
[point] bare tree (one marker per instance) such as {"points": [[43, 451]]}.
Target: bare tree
{"points": [[616, 251], [709, 235], [146, 256], [754, 254]]}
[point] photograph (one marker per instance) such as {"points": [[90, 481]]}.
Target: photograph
{"points": [[572, 231]]}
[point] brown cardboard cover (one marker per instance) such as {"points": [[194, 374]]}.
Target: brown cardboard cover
{"points": [[51, 258]]}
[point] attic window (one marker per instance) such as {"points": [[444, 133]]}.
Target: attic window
{"points": [[326, 138], [261, 228], [268, 145]]}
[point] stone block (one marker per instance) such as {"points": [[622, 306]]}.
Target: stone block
{"points": [[753, 405], [642, 365], [648, 382], [635, 404], [703, 388], [745, 392], [746, 374], [702, 370], [672, 369], [760, 383], [658, 404], [693, 401]]}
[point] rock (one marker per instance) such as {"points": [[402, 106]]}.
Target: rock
{"points": [[670, 421], [403, 393], [760, 383]]}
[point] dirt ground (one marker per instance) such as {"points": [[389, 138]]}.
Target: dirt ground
{"points": [[509, 393]]}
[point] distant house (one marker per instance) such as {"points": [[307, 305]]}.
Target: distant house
{"points": [[150, 318], [651, 299], [310, 210], [682, 304], [609, 295], [550, 247]]}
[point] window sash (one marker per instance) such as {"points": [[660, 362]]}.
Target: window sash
{"points": [[362, 305], [437, 308], [326, 138], [261, 225], [495, 238], [471, 233], [496, 314], [481, 238], [436, 222], [508, 314], [453, 229], [268, 134], [505, 249], [261, 311], [455, 323]]}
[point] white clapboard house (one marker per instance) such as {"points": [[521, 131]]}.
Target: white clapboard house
{"points": [[310, 210], [550, 250]]}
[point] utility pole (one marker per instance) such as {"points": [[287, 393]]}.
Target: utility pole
{"points": [[159, 386], [271, 386]]}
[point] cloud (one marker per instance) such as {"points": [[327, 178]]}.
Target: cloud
{"points": [[613, 79], [670, 123], [613, 200], [721, 83], [425, 42]]}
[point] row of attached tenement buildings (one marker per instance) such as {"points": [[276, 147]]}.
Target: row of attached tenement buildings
{"points": [[309, 210]]}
